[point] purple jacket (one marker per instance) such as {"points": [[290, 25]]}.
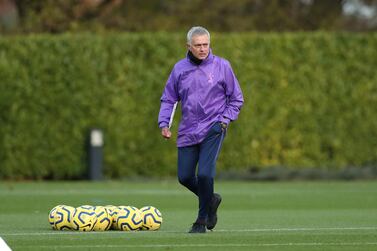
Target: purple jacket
{"points": [[208, 93]]}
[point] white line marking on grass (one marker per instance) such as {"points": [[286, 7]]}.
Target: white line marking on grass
{"points": [[297, 229], [183, 232], [159, 192], [219, 245], [4, 246]]}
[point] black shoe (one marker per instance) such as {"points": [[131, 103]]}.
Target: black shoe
{"points": [[212, 214], [197, 228]]}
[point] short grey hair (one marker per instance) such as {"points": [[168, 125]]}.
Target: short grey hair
{"points": [[197, 31]]}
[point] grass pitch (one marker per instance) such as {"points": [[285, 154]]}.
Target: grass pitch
{"points": [[253, 216]]}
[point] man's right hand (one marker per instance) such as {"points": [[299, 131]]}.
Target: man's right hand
{"points": [[166, 133]]}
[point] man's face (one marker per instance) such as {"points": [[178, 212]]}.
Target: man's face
{"points": [[199, 46]]}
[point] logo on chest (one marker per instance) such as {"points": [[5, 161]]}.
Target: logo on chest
{"points": [[210, 77]]}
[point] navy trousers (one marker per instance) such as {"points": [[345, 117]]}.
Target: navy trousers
{"points": [[204, 155]]}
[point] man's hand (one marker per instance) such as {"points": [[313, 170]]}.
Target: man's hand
{"points": [[166, 133]]}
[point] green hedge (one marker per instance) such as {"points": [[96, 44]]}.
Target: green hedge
{"points": [[310, 101]]}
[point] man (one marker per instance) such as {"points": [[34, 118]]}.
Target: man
{"points": [[210, 99]]}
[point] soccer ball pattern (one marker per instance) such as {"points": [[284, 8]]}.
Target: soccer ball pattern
{"points": [[129, 219], [63, 218], [113, 213], [51, 216], [84, 218], [101, 218], [152, 218], [104, 221]]}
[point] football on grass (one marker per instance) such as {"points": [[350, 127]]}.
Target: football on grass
{"points": [[104, 220], [51, 216], [84, 219], [129, 219], [152, 218], [63, 218]]}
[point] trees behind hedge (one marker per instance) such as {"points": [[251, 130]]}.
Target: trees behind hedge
{"points": [[58, 16]]}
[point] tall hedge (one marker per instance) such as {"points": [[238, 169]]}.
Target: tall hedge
{"points": [[310, 101]]}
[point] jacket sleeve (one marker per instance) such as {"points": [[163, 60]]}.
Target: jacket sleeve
{"points": [[234, 95], [168, 99]]}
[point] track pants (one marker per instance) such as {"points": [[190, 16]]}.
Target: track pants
{"points": [[203, 155]]}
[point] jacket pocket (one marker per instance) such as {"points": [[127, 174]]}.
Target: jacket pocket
{"points": [[216, 128]]}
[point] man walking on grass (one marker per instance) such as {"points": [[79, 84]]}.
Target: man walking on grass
{"points": [[210, 99]]}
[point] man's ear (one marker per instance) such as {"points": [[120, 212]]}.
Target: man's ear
{"points": [[188, 46]]}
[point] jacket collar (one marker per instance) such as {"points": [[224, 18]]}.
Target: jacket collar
{"points": [[197, 61]]}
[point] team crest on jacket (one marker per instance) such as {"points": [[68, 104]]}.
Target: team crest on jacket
{"points": [[210, 78]]}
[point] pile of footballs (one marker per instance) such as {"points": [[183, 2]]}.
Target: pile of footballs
{"points": [[102, 218]]}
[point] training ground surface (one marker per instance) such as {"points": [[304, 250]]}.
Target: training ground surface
{"points": [[253, 216]]}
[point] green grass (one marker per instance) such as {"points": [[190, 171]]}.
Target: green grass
{"points": [[253, 216]]}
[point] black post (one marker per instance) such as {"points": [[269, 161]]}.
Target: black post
{"points": [[95, 154]]}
